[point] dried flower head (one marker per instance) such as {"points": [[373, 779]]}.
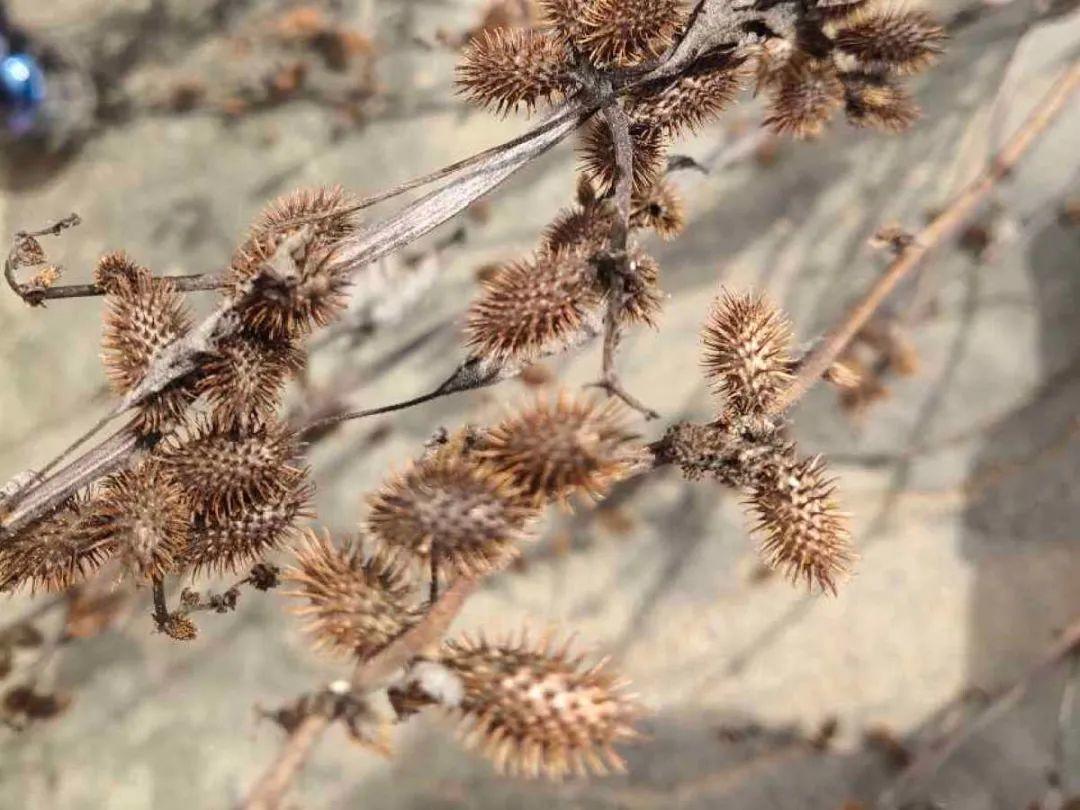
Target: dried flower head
{"points": [[143, 316], [146, 516], [223, 471], [838, 9], [445, 505], [584, 229], [114, 270], [691, 101], [804, 98], [642, 298], [628, 32], [536, 709], [804, 531], [312, 292], [508, 68], [231, 541], [243, 379], [557, 447], [529, 307], [879, 102], [660, 209], [901, 41], [746, 358], [564, 18], [54, 553], [353, 605], [598, 155]]}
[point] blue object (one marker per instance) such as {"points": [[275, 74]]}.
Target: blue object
{"points": [[22, 81]]}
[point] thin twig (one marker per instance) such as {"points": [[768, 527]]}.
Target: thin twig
{"points": [[276, 779], [956, 213], [369, 676], [928, 763], [161, 608]]}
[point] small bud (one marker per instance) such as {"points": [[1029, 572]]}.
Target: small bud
{"points": [[659, 208], [179, 627]]}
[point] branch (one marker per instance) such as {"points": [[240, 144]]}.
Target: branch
{"points": [[369, 676], [928, 763], [270, 789], [956, 213]]}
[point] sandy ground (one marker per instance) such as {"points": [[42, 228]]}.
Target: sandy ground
{"points": [[962, 483]]}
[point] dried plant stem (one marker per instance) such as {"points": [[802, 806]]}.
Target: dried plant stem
{"points": [[369, 676], [161, 607], [275, 781], [956, 213], [929, 762]]}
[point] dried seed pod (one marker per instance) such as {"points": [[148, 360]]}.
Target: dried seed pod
{"points": [[508, 68], [179, 627], [54, 553], [115, 270], [313, 293], [584, 229], [746, 357], [805, 96], [468, 516], [530, 307], [659, 208], [879, 103], [143, 316], [353, 605], [642, 297], [145, 514], [232, 541], [243, 379], [224, 471], [536, 709], [563, 18], [597, 154], [804, 531], [552, 449], [628, 32], [691, 101], [900, 41]]}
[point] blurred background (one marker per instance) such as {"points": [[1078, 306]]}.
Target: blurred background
{"points": [[168, 124]]}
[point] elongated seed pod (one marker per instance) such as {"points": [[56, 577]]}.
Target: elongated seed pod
{"points": [[531, 307], [467, 516], [243, 379], [628, 32], [232, 540], [507, 69], [746, 358], [901, 41], [313, 293], [804, 98], [352, 604], [598, 161], [536, 709], [804, 532], [556, 447], [143, 317]]}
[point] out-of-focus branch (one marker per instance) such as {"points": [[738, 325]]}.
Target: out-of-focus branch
{"points": [[369, 676], [947, 223]]}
